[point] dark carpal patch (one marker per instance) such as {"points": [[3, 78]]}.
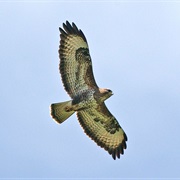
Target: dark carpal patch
{"points": [[112, 126], [82, 55], [98, 120]]}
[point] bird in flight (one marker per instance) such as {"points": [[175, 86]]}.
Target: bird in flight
{"points": [[87, 99]]}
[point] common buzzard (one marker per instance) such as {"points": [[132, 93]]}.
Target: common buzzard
{"points": [[87, 99]]}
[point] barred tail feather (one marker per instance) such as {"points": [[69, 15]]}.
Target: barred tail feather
{"points": [[58, 112]]}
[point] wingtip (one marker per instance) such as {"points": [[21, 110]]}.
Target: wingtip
{"points": [[69, 28]]}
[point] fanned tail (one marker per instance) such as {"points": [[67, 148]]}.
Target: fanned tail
{"points": [[58, 112]]}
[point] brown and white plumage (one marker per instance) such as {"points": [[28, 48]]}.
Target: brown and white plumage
{"points": [[75, 64], [87, 98]]}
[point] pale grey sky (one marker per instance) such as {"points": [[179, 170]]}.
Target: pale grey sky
{"points": [[135, 49]]}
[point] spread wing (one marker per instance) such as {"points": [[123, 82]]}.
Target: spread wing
{"points": [[75, 61], [102, 127]]}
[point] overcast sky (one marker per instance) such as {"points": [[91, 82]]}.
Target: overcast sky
{"points": [[135, 49]]}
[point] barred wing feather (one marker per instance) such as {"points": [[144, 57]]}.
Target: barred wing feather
{"points": [[75, 65], [102, 127]]}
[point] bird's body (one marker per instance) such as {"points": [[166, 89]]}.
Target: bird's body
{"points": [[87, 99]]}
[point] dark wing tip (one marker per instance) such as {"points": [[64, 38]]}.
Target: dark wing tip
{"points": [[71, 29], [119, 150], [125, 137]]}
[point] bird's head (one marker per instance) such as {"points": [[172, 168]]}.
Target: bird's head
{"points": [[105, 93]]}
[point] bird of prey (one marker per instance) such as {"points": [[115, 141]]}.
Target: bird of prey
{"points": [[87, 99]]}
